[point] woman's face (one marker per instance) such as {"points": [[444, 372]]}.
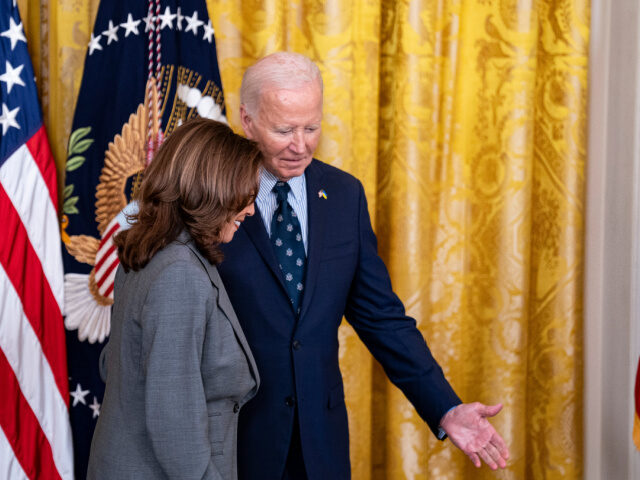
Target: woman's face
{"points": [[230, 228]]}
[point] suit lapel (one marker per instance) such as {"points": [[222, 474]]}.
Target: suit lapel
{"points": [[317, 215], [316, 220], [258, 234]]}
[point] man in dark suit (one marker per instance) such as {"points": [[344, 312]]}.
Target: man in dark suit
{"points": [[293, 271]]}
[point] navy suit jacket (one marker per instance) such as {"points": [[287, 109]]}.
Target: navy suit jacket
{"points": [[298, 358]]}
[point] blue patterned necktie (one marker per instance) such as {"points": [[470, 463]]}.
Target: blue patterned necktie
{"points": [[286, 237]]}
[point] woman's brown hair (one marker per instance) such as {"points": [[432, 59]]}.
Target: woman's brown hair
{"points": [[202, 176]]}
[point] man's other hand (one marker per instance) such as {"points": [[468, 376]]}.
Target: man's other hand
{"points": [[469, 430]]}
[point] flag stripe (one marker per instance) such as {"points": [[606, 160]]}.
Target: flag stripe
{"points": [[103, 257], [107, 272], [108, 291], [37, 213], [25, 272], [107, 282], [9, 465], [36, 437], [110, 231], [22, 428], [34, 375], [38, 145]]}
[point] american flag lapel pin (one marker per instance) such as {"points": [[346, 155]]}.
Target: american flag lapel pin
{"points": [[322, 194]]}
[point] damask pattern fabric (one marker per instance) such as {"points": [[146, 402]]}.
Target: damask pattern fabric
{"points": [[466, 123]]}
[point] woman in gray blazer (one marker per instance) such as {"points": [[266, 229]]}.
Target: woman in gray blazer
{"points": [[177, 365]]}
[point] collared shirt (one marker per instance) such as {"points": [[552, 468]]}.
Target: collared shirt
{"points": [[267, 202]]}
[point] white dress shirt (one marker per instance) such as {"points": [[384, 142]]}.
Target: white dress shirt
{"points": [[297, 198]]}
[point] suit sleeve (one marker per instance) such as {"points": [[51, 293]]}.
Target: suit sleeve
{"points": [[378, 316], [174, 323]]}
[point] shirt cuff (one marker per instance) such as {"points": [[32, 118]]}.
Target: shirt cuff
{"points": [[441, 433]]}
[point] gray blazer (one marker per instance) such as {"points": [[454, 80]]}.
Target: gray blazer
{"points": [[178, 369]]}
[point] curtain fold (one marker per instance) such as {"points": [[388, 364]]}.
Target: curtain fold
{"points": [[466, 122], [58, 34]]}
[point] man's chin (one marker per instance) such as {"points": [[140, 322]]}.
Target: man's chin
{"points": [[289, 171]]}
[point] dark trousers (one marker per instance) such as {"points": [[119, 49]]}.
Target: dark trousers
{"points": [[294, 469]]}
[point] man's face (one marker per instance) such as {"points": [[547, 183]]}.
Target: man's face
{"points": [[286, 127]]}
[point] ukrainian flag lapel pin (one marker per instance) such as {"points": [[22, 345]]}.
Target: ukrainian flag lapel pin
{"points": [[322, 194]]}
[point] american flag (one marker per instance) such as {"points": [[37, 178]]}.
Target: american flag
{"points": [[35, 434]]}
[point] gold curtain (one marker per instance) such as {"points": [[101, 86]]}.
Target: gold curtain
{"points": [[466, 122], [58, 34]]}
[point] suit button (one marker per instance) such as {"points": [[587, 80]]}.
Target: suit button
{"points": [[236, 408], [289, 401], [296, 345]]}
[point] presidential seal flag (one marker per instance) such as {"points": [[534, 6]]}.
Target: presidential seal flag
{"points": [[149, 67], [35, 435]]}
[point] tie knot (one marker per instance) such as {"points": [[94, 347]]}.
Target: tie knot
{"points": [[281, 189]]}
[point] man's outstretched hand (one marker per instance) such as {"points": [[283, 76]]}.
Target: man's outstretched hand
{"points": [[469, 430]]}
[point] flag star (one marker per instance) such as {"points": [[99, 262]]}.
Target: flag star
{"points": [[167, 18], [289, 252], [278, 242], [8, 118], [298, 237], [130, 26], [110, 33], [94, 44], [193, 23], [149, 22], [95, 406], [208, 32], [299, 287], [78, 395], [11, 76], [15, 33], [279, 218], [299, 262], [179, 19], [289, 277], [289, 228]]}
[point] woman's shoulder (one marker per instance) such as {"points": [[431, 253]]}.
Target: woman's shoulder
{"points": [[179, 260], [176, 251], [176, 274], [177, 255]]}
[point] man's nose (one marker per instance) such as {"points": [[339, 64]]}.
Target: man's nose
{"points": [[297, 142]]}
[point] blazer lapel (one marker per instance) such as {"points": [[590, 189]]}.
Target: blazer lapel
{"points": [[224, 303], [317, 214]]}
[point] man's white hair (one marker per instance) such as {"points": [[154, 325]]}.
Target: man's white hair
{"points": [[281, 71]]}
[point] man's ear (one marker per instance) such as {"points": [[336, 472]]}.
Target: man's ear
{"points": [[247, 122]]}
